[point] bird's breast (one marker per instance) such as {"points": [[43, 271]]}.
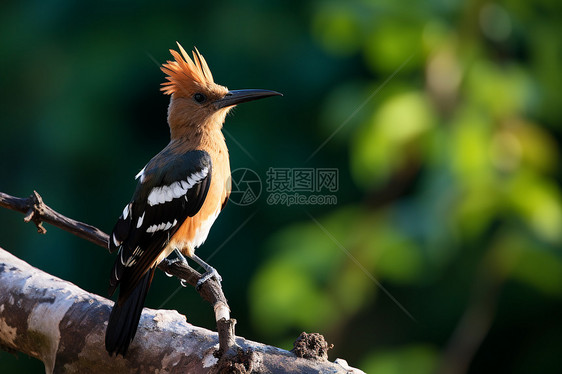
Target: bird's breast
{"points": [[194, 231]]}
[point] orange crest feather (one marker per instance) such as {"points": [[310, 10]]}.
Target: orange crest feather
{"points": [[183, 75]]}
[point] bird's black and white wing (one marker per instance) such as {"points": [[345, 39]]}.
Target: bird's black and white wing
{"points": [[169, 190]]}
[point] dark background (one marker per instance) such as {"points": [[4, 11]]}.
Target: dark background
{"points": [[442, 118]]}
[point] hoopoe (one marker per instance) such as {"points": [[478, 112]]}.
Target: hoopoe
{"points": [[180, 192]]}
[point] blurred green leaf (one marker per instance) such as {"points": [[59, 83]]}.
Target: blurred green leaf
{"points": [[536, 147], [415, 359], [539, 203], [523, 259], [401, 260], [284, 294], [335, 26], [541, 269], [500, 90], [391, 44], [393, 134], [470, 146]]}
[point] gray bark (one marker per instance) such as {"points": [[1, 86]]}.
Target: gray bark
{"points": [[64, 326]]}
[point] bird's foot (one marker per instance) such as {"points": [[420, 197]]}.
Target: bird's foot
{"points": [[179, 259], [171, 261], [210, 273]]}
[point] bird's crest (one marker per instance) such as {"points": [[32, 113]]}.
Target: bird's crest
{"points": [[185, 75]]}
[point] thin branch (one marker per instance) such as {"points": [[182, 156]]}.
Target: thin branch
{"points": [[38, 212]]}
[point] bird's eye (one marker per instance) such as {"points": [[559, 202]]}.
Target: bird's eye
{"points": [[199, 97]]}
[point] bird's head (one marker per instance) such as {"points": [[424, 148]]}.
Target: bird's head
{"points": [[196, 100]]}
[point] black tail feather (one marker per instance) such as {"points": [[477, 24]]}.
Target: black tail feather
{"points": [[125, 316]]}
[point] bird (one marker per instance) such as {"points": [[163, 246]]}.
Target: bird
{"points": [[179, 193]]}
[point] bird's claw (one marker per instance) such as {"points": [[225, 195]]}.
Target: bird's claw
{"points": [[210, 273]]}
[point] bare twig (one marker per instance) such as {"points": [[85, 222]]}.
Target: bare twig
{"points": [[37, 211]]}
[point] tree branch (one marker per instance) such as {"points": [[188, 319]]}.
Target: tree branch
{"points": [[37, 211], [64, 326]]}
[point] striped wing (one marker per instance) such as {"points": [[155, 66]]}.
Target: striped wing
{"points": [[170, 189]]}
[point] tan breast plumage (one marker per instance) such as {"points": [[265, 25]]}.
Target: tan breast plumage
{"points": [[194, 231]]}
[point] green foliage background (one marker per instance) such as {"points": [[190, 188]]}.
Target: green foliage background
{"points": [[443, 118]]}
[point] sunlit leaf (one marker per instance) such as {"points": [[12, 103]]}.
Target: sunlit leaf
{"points": [[470, 146], [538, 148], [539, 203], [500, 90], [386, 141]]}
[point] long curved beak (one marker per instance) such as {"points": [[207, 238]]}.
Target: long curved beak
{"points": [[242, 96]]}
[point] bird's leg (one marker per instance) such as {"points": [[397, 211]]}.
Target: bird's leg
{"points": [[209, 272], [180, 257]]}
